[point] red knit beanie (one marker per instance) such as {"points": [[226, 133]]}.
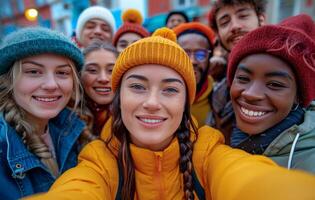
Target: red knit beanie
{"points": [[292, 40], [132, 23], [208, 32]]}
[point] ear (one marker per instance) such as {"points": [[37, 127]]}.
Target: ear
{"points": [[262, 19]]}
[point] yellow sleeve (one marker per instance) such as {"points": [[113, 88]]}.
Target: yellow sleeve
{"points": [[233, 174], [95, 177]]}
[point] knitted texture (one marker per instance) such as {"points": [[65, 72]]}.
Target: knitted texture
{"points": [[95, 12], [208, 32], [161, 48], [34, 41], [132, 24], [292, 40]]}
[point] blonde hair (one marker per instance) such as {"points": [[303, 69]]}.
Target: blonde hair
{"points": [[15, 115]]}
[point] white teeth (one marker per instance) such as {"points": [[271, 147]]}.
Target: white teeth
{"points": [[103, 89], [252, 113], [46, 99], [152, 121]]}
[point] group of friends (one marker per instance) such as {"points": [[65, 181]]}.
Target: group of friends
{"points": [[191, 111]]}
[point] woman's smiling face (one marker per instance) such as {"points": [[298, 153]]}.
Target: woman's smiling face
{"points": [[152, 101], [263, 92]]}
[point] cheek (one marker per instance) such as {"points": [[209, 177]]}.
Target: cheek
{"points": [[87, 80], [67, 86]]}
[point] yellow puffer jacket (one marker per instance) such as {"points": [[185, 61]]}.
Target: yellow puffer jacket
{"points": [[201, 108], [225, 173]]}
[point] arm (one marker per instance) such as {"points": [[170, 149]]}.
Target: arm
{"points": [[91, 179], [235, 174]]}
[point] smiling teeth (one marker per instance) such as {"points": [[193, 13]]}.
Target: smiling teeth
{"points": [[103, 89], [252, 113], [46, 99], [152, 121]]}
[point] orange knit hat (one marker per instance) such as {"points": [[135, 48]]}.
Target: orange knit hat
{"points": [[161, 48], [132, 23], [197, 26]]}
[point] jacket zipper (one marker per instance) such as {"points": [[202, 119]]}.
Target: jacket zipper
{"points": [[159, 178]]}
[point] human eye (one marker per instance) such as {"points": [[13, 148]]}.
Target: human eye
{"points": [[276, 85], [89, 25], [201, 55], [242, 78], [224, 22], [137, 87], [170, 90], [64, 72], [91, 69]]}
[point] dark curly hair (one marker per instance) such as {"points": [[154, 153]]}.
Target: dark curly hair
{"points": [[258, 5]]}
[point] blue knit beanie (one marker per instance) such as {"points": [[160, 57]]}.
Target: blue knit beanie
{"points": [[34, 41]]}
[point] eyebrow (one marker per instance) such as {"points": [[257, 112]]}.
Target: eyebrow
{"points": [[242, 10], [238, 11], [270, 74], [41, 65], [167, 80]]}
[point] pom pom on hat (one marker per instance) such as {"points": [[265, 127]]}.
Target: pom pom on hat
{"points": [[166, 33], [292, 40], [132, 16], [34, 41], [132, 24], [161, 49], [95, 12]]}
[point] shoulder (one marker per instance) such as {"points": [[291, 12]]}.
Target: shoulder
{"points": [[97, 155]]}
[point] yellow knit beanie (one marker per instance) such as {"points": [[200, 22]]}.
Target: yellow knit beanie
{"points": [[161, 48]]}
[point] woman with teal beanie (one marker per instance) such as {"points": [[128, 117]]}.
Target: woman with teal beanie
{"points": [[38, 133]]}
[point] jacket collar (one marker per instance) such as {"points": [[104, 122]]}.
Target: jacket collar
{"points": [[64, 130], [286, 138], [150, 162]]}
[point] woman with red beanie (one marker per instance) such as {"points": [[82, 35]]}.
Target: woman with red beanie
{"points": [[271, 72], [131, 31]]}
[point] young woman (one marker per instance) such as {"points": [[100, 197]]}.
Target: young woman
{"points": [[272, 84], [155, 152], [96, 75], [38, 134]]}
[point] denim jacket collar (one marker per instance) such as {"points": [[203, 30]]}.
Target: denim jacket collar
{"points": [[64, 130]]}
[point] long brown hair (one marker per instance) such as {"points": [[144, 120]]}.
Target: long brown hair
{"points": [[125, 159]]}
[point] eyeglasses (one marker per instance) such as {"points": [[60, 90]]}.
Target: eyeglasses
{"points": [[200, 55]]}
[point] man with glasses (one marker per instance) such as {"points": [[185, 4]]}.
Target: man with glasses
{"points": [[197, 40]]}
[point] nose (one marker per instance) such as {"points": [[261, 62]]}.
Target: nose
{"points": [[98, 30], [254, 92], [50, 82], [152, 101], [103, 77], [235, 25]]}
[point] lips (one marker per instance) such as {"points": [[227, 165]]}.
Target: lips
{"points": [[252, 113], [151, 121], [47, 99], [236, 37], [103, 90]]}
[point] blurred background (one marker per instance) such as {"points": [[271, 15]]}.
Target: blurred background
{"points": [[62, 15]]}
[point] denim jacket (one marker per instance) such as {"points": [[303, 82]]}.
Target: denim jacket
{"points": [[21, 172]]}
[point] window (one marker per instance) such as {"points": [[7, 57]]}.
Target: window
{"points": [[6, 9], [180, 4], [20, 5]]}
